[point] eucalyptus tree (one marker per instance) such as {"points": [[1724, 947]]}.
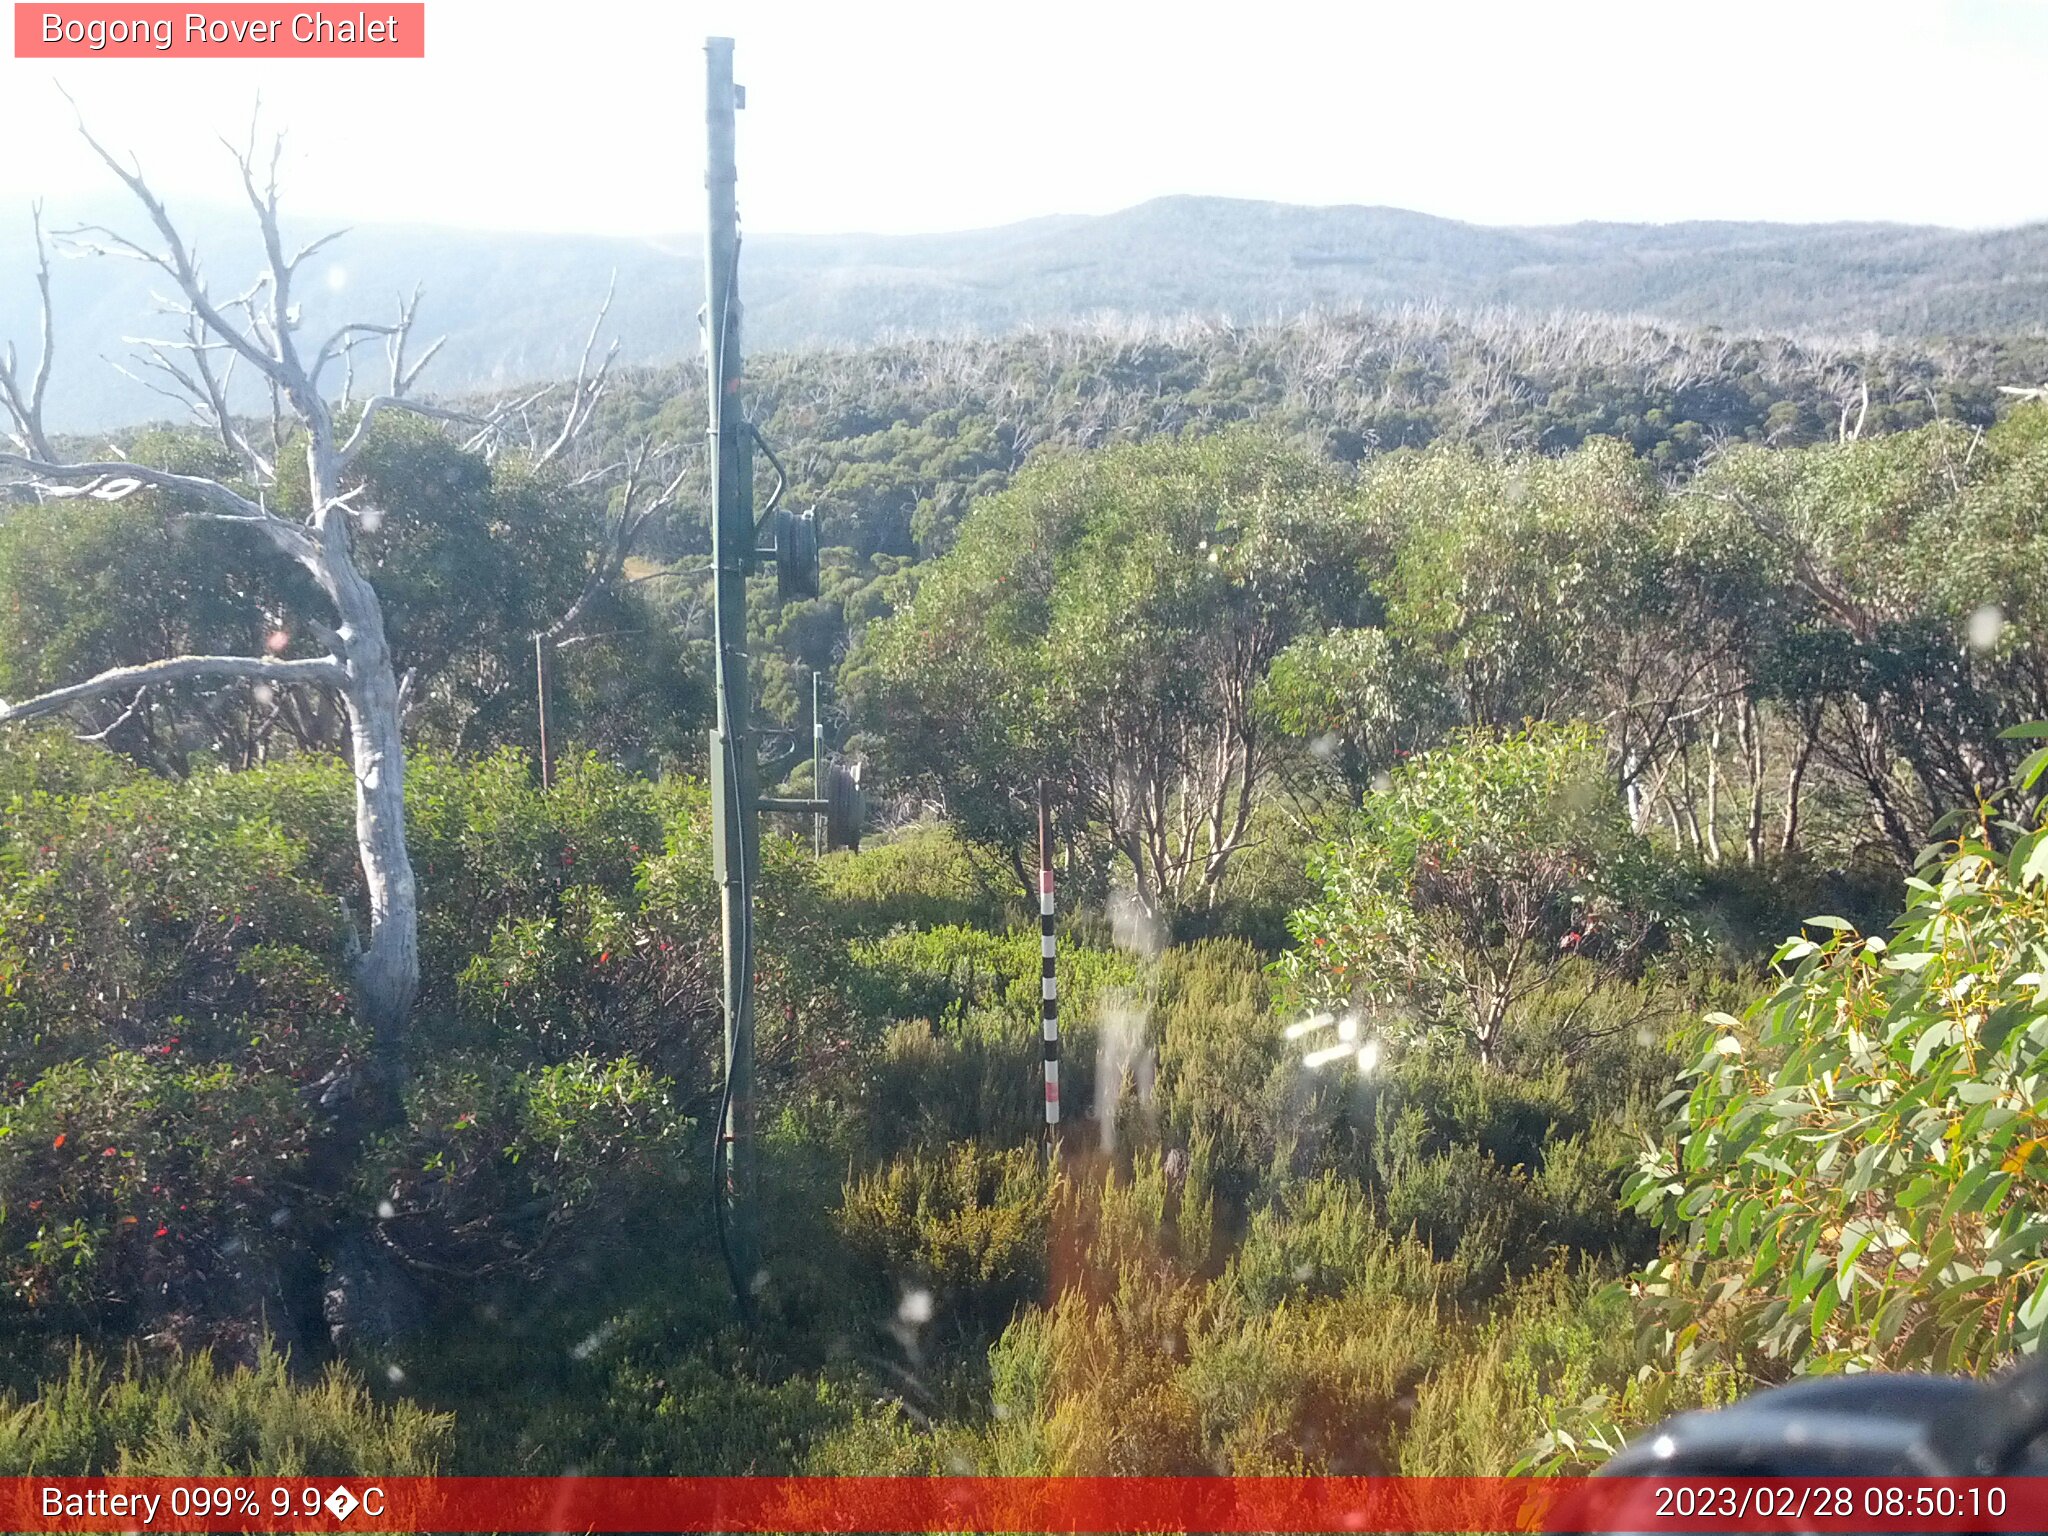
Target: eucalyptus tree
{"points": [[1106, 625], [1913, 622], [1516, 588]]}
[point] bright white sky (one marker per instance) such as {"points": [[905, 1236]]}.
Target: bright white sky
{"points": [[586, 115]]}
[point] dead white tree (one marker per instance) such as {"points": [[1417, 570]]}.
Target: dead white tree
{"points": [[258, 331], [643, 494], [24, 402]]}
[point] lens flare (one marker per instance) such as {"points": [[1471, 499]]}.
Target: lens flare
{"points": [[1307, 1026]]}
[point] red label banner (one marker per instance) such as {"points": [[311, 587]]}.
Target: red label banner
{"points": [[992, 1504], [230, 31]]}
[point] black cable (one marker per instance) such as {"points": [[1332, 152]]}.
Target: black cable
{"points": [[742, 1295], [741, 1291]]}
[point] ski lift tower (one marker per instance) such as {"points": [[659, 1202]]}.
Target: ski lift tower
{"points": [[742, 544]]}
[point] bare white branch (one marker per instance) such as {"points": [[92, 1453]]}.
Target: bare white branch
{"points": [[410, 376], [376, 405], [403, 375], [342, 344], [589, 387], [119, 720], [117, 479], [313, 247], [617, 544], [204, 391], [25, 405], [179, 262], [178, 669], [110, 479]]}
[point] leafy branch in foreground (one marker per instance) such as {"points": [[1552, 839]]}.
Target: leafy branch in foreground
{"points": [[1858, 1175]]}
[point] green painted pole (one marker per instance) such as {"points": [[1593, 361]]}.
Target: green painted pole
{"points": [[735, 836]]}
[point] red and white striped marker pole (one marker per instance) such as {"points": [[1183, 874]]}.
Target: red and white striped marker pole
{"points": [[1049, 987]]}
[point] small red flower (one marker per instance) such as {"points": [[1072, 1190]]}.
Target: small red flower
{"points": [[110, 1152], [162, 1231], [58, 1142]]}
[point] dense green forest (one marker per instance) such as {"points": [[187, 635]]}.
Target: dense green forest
{"points": [[1497, 766]]}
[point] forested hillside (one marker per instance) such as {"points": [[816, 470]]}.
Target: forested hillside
{"points": [[514, 306], [1460, 734]]}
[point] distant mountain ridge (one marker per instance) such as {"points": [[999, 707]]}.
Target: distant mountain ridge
{"points": [[515, 307]]}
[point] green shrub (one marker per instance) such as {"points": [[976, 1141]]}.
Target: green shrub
{"points": [[1494, 1173], [1266, 880], [980, 1078], [970, 1227], [190, 1418], [174, 985], [530, 1175], [885, 1441], [1094, 1389], [1513, 1120], [138, 1193], [668, 1414], [53, 762], [1474, 1214], [136, 912], [1744, 910], [1159, 1375], [925, 876], [1461, 1422], [1218, 1048], [1322, 1238], [1490, 870], [1313, 1388], [1565, 1338], [942, 973], [1133, 1220], [961, 1059]]}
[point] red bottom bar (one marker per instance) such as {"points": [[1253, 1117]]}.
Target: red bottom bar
{"points": [[992, 1504]]}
